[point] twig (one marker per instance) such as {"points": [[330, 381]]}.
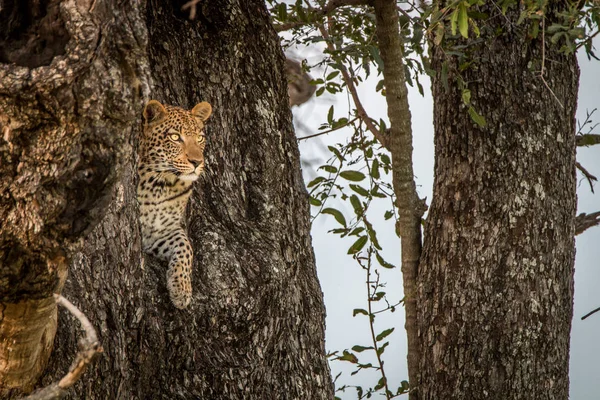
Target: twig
{"points": [[372, 323], [192, 6], [328, 131], [585, 221], [360, 110], [590, 178], [89, 348], [544, 62], [589, 39], [590, 313]]}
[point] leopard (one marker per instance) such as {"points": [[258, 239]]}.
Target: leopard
{"points": [[171, 159]]}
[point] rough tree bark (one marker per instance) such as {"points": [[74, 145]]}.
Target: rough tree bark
{"points": [[496, 275], [255, 328]]}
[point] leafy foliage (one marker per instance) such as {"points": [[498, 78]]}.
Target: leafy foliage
{"points": [[357, 172]]}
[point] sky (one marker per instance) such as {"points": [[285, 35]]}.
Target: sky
{"points": [[343, 281]]}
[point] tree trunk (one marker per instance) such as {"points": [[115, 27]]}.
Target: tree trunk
{"points": [[496, 275], [255, 327]]}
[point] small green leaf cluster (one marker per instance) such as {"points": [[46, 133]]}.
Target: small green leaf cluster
{"points": [[355, 175]]}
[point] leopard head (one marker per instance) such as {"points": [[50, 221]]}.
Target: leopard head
{"points": [[173, 140]]}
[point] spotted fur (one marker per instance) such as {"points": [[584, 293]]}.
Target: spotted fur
{"points": [[171, 159]]}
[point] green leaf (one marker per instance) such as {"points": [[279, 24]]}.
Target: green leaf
{"points": [[385, 159], [374, 51], [384, 334], [466, 96], [315, 202], [380, 384], [445, 75], [330, 115], [354, 176], [375, 169], [372, 234], [315, 181], [332, 75], [478, 119], [356, 231], [320, 91], [358, 209], [383, 263], [339, 217], [336, 152], [360, 349], [358, 245], [360, 190], [463, 20], [382, 348], [388, 214], [357, 311], [453, 22], [347, 356], [329, 168]]}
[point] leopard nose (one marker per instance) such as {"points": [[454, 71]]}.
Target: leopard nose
{"points": [[195, 163]]}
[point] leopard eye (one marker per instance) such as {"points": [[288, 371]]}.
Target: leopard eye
{"points": [[200, 139], [175, 137]]}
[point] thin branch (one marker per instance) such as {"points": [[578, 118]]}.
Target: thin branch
{"points": [[89, 348], [328, 131], [585, 221], [327, 9], [590, 313], [590, 178], [589, 39], [372, 323], [360, 110], [544, 62], [191, 5]]}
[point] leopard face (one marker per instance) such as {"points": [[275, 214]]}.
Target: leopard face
{"points": [[173, 140]]}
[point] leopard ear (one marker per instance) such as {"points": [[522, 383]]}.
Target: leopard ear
{"points": [[154, 111], [202, 111]]}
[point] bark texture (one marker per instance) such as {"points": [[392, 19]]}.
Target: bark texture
{"points": [[255, 328], [496, 276]]}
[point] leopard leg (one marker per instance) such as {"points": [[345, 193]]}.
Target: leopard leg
{"points": [[176, 248]]}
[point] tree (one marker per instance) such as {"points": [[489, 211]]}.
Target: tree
{"points": [[494, 302], [74, 78], [496, 275]]}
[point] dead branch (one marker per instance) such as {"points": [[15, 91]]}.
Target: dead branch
{"points": [[590, 313], [191, 5], [585, 221], [590, 178], [89, 348]]}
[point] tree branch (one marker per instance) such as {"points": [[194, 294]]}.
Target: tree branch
{"points": [[360, 110], [316, 14], [590, 178], [585, 221], [89, 348], [410, 207], [590, 313], [588, 139]]}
